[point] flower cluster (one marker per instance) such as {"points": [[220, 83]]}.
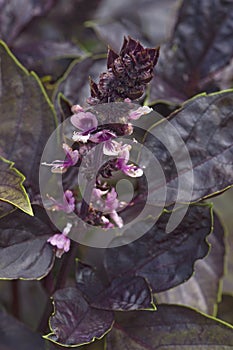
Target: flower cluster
{"points": [[125, 80], [104, 206]]}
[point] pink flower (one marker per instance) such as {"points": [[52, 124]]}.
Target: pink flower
{"points": [[61, 166], [102, 136], [97, 199], [86, 122], [68, 204], [134, 115], [111, 204], [131, 169], [111, 148], [61, 241], [76, 109]]}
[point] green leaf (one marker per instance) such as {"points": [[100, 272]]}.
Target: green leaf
{"points": [[11, 187], [171, 327], [26, 116]]}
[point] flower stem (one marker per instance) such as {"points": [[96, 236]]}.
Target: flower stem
{"points": [[91, 184], [15, 298]]}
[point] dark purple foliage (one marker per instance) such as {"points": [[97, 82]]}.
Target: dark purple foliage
{"points": [[112, 294]]}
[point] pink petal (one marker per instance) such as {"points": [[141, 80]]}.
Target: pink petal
{"points": [[111, 148], [111, 202], [84, 121], [76, 109], [132, 170], [102, 136], [134, 115], [67, 245], [72, 155]]}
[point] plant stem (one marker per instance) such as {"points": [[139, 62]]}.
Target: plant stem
{"points": [[91, 184], [66, 267], [62, 275], [68, 260], [15, 298]]}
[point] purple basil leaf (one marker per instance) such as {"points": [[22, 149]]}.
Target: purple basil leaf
{"points": [[47, 57], [96, 345], [225, 308], [163, 259], [124, 293], [75, 322], [26, 115], [63, 107], [13, 18], [25, 252], [151, 19], [205, 124], [89, 281], [5, 208], [15, 335], [223, 205], [201, 45], [170, 327], [112, 31], [201, 291], [75, 83]]}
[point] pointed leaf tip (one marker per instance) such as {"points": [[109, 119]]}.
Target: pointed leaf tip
{"points": [[11, 187]]}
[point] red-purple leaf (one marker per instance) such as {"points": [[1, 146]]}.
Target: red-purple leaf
{"points": [[124, 293], [75, 83], [25, 252], [26, 116], [163, 259], [201, 291], [201, 45], [205, 124], [75, 322], [15, 335], [112, 31], [47, 57], [13, 18], [170, 327], [89, 281]]}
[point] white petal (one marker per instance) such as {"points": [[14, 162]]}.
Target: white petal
{"points": [[116, 218], [78, 137]]}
